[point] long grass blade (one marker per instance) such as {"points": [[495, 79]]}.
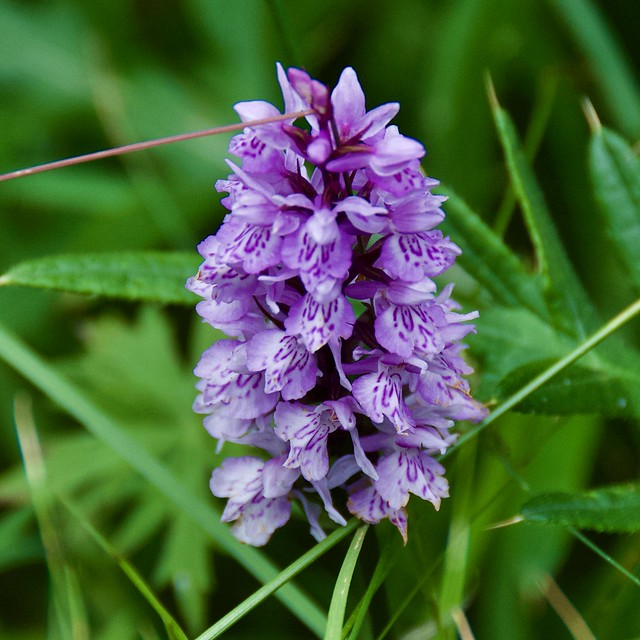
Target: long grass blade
{"points": [[456, 558], [605, 556], [66, 597], [338, 605], [388, 558]]}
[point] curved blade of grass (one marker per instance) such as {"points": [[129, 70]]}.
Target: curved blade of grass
{"points": [[613, 509], [587, 345], [172, 627], [287, 574], [387, 560], [145, 275], [338, 606], [44, 376], [615, 175], [66, 596], [606, 56], [573, 309]]}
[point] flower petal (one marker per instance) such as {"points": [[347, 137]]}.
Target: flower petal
{"points": [[288, 365]]}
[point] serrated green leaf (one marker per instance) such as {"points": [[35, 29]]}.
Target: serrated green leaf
{"points": [[147, 276], [615, 174], [488, 259], [613, 509], [571, 307]]}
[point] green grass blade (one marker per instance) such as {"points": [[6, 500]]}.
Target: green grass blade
{"points": [[387, 560], [287, 574], [573, 309], [66, 596], [605, 556], [606, 57], [172, 627], [60, 390], [456, 558], [338, 605], [612, 509], [615, 175], [147, 276]]}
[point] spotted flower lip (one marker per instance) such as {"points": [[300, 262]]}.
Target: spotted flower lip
{"points": [[343, 370]]}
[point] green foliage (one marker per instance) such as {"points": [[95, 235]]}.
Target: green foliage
{"points": [[148, 277], [550, 232], [615, 174]]}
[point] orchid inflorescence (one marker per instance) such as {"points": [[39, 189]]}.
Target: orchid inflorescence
{"points": [[345, 365]]}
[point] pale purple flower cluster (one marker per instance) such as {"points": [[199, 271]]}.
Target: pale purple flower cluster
{"points": [[344, 366]]}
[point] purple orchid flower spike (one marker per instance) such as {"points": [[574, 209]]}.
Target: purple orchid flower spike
{"points": [[345, 371]]}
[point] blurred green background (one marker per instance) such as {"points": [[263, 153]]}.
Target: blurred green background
{"points": [[81, 76]]}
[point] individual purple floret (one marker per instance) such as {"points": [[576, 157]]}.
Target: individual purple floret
{"points": [[342, 369]]}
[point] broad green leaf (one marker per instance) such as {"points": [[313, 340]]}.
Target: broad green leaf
{"points": [[148, 276], [614, 509], [488, 259], [572, 309], [615, 174], [607, 58]]}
